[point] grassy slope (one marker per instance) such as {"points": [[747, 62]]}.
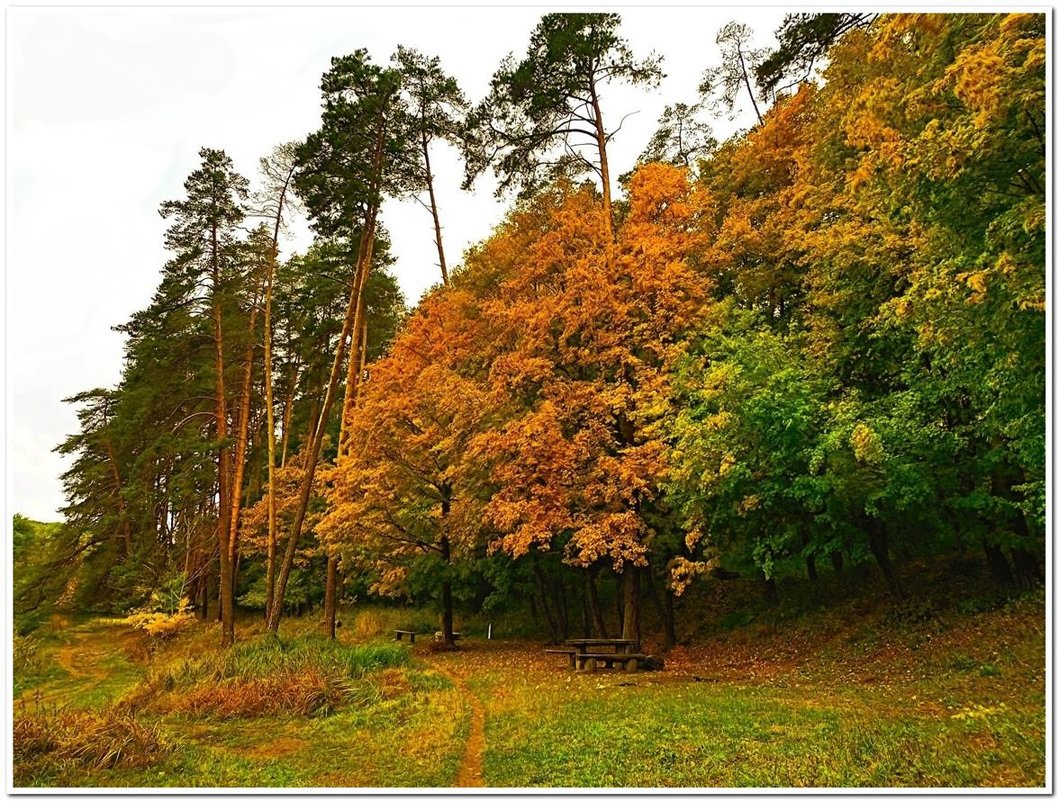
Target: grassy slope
{"points": [[831, 688], [404, 726]]}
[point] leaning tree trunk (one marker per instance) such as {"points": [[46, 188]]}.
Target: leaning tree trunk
{"points": [[357, 357], [350, 325], [434, 207], [604, 167], [313, 454]]}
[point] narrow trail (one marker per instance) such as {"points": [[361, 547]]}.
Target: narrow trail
{"points": [[80, 657], [469, 773], [65, 656]]}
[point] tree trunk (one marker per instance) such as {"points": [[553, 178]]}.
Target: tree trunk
{"points": [[998, 565], [771, 591], [746, 80], [204, 590], [586, 614], [242, 441], [563, 614], [270, 424], [350, 325], [604, 167], [330, 596], [671, 617], [227, 607], [126, 530], [595, 610], [810, 557], [836, 561], [434, 209], [630, 628], [663, 609], [880, 549], [354, 372], [288, 412], [1028, 567], [446, 596], [542, 598]]}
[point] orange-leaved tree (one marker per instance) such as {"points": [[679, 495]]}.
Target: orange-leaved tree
{"points": [[582, 333], [397, 499]]}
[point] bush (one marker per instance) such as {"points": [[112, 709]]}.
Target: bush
{"points": [[307, 675], [162, 625], [97, 740]]}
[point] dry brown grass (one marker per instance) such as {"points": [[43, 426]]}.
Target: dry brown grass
{"points": [[98, 740], [306, 692]]}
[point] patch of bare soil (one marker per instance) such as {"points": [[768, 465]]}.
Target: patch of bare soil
{"points": [[470, 770]]}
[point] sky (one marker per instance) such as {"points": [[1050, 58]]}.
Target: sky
{"points": [[107, 109]]}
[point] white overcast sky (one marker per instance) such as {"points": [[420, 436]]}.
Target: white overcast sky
{"points": [[108, 107]]}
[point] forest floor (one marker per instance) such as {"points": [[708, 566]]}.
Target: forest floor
{"points": [[860, 694]]}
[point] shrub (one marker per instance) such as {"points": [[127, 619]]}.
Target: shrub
{"points": [[162, 625], [97, 740], [307, 675]]}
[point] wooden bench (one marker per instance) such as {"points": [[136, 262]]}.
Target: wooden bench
{"points": [[588, 662], [570, 654], [399, 634]]}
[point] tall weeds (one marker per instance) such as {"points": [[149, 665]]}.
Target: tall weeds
{"points": [[308, 675]]}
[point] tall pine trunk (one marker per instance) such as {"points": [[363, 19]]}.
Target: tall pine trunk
{"points": [[227, 606], [350, 325], [604, 166], [434, 208], [241, 443]]}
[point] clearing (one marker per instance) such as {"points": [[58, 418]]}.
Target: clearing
{"points": [[864, 694]]}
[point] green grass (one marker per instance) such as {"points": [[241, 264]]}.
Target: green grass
{"points": [[712, 735], [843, 696], [398, 724]]}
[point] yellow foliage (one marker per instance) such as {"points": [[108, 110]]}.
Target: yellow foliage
{"points": [[866, 444], [160, 625], [682, 572]]}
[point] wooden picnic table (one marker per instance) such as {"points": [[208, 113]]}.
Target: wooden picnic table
{"points": [[583, 644], [584, 653]]}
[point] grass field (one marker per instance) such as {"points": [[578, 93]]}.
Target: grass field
{"points": [[857, 696]]}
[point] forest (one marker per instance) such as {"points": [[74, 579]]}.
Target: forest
{"points": [[794, 375]]}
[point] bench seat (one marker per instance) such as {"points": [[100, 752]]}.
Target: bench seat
{"points": [[570, 653], [588, 662]]}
